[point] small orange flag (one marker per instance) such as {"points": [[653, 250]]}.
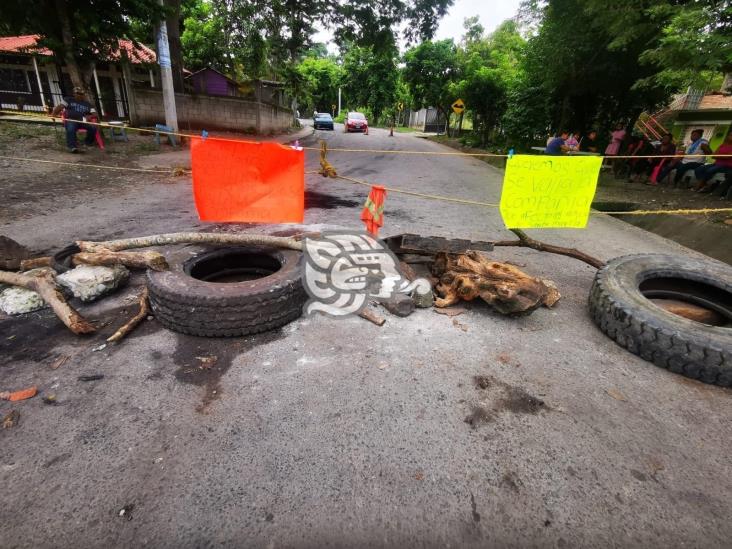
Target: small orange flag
{"points": [[373, 210], [245, 181]]}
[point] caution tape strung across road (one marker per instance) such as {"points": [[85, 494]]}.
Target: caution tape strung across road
{"points": [[327, 169]]}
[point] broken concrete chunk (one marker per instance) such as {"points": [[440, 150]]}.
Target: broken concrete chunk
{"points": [[17, 301], [423, 301], [89, 282]]}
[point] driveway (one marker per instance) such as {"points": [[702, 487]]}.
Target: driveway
{"points": [[332, 433]]}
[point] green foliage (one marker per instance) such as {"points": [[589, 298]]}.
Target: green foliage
{"points": [[371, 80], [321, 79], [430, 69]]}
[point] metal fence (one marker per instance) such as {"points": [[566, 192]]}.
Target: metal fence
{"points": [[108, 106]]}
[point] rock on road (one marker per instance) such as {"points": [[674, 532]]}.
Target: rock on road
{"points": [[333, 433]]}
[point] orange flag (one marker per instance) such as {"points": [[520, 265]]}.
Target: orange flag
{"points": [[373, 210], [246, 181]]}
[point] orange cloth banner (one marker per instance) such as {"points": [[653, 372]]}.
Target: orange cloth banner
{"points": [[373, 210], [244, 181]]}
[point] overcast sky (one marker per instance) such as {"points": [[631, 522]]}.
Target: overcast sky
{"points": [[491, 12]]}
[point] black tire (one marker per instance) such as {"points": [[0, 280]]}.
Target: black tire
{"points": [[620, 307], [184, 299]]}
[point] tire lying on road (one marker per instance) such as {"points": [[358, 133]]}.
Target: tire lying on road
{"points": [[627, 299], [229, 292]]}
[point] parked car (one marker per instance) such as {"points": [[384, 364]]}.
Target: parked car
{"points": [[323, 121], [356, 122]]}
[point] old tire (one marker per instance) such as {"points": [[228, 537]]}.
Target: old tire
{"points": [[620, 305], [197, 297]]}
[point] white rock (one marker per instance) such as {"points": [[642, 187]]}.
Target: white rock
{"points": [[16, 301], [89, 282]]}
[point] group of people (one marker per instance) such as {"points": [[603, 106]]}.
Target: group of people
{"points": [[652, 162]]}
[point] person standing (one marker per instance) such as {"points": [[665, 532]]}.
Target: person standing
{"points": [[77, 108], [616, 140]]}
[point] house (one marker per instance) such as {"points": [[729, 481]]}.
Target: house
{"points": [[710, 111], [32, 79], [211, 82]]}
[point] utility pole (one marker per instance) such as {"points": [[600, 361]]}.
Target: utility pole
{"points": [[339, 100], [166, 74]]}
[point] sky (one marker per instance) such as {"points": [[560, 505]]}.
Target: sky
{"points": [[491, 12]]}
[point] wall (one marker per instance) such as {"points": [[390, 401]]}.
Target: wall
{"points": [[210, 112]]}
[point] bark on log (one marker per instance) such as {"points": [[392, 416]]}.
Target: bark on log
{"points": [[35, 263], [134, 321], [506, 288], [45, 285], [190, 238], [135, 260], [526, 241]]}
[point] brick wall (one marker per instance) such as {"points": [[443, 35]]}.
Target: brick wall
{"points": [[716, 101], [209, 112]]}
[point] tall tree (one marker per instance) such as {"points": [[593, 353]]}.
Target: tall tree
{"points": [[430, 69], [371, 77]]}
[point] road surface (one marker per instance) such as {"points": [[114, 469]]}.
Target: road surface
{"points": [[333, 433]]}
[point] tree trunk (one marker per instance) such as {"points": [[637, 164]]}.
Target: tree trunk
{"points": [[172, 21], [67, 37]]}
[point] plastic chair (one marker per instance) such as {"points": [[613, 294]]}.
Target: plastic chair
{"points": [[92, 118]]}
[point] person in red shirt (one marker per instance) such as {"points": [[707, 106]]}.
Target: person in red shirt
{"points": [[721, 165]]}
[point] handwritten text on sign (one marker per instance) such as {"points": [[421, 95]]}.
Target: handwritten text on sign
{"points": [[548, 191]]}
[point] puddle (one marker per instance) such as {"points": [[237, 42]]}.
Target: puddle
{"points": [[324, 201]]}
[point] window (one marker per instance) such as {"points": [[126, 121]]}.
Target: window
{"points": [[13, 80]]}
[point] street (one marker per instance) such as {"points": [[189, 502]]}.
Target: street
{"points": [[476, 430]]}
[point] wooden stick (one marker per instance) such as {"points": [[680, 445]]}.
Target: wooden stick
{"points": [[134, 321], [28, 264], [136, 260], [371, 316], [190, 238], [45, 285], [526, 241]]}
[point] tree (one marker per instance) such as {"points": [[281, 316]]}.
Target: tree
{"points": [[430, 70], [79, 32], [370, 79], [322, 77]]}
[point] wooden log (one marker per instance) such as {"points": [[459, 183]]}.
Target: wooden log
{"points": [[190, 238], [505, 287], [135, 320], [35, 263], [45, 285], [135, 260]]}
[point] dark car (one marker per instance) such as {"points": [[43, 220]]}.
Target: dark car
{"points": [[356, 122], [323, 121]]}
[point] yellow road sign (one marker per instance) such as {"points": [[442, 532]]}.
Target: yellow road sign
{"points": [[400, 106], [458, 106]]}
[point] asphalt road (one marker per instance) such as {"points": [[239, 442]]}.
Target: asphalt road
{"points": [[332, 433]]}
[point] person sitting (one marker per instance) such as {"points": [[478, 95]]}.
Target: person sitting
{"points": [[76, 107], [694, 157], [572, 142], [639, 167], [589, 142], [721, 165], [558, 145], [666, 148]]}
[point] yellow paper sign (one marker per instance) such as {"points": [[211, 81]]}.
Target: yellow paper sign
{"points": [[548, 191]]}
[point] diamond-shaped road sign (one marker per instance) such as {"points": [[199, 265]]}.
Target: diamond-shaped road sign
{"points": [[458, 106]]}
